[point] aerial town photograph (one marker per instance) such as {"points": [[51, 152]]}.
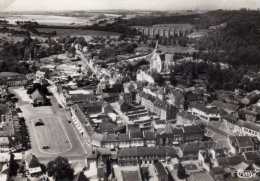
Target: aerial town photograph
{"points": [[129, 90]]}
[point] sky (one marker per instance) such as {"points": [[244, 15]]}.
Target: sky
{"points": [[33, 5]]}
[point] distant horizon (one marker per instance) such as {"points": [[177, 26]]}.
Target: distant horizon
{"points": [[125, 10], [125, 5]]}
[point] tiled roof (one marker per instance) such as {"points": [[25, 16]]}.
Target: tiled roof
{"points": [[225, 106], [136, 134], [231, 161], [244, 141], [204, 108], [250, 125], [193, 129], [200, 176], [186, 115], [161, 171], [147, 151], [148, 135], [252, 156]]}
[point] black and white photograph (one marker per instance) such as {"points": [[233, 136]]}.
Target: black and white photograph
{"points": [[129, 90]]}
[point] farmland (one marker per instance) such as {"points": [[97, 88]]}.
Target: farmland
{"points": [[76, 32]]}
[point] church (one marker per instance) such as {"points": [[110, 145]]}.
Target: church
{"points": [[160, 62]]}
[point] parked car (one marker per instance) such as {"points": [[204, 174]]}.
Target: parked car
{"points": [[39, 123], [45, 147]]}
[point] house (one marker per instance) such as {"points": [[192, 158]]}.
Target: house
{"points": [[4, 144], [205, 113], [81, 122], [170, 136], [158, 124], [200, 176], [33, 165], [249, 129], [233, 164], [149, 139], [160, 171], [132, 139], [193, 133], [253, 158], [144, 155], [252, 114], [128, 98], [127, 173], [251, 98], [218, 173], [91, 107], [245, 143], [190, 151], [177, 99], [80, 177], [81, 98], [228, 108], [163, 109], [185, 118], [12, 79]]}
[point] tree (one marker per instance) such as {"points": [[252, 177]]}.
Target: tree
{"points": [[158, 78], [181, 172], [60, 169], [13, 167]]}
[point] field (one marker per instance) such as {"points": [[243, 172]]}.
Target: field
{"points": [[77, 32]]}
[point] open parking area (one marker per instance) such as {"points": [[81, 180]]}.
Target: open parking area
{"points": [[47, 131], [50, 132]]}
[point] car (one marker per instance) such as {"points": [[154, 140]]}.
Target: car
{"points": [[39, 123], [45, 147]]}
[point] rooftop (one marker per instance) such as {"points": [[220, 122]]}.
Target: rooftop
{"points": [[147, 152], [200, 176], [127, 173]]}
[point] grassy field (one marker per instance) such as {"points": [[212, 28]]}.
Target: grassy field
{"points": [[77, 32]]}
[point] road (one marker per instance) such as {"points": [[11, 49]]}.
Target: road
{"points": [[57, 132]]}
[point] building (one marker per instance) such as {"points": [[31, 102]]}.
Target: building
{"points": [[4, 144], [193, 133], [160, 171], [245, 143], [251, 98], [12, 79], [144, 155], [185, 118], [144, 76], [132, 139], [81, 122], [38, 98], [200, 176], [127, 173], [91, 107], [205, 113], [170, 136], [176, 136], [228, 108], [163, 109]]}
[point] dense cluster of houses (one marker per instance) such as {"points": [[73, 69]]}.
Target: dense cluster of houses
{"points": [[140, 130], [162, 131]]}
